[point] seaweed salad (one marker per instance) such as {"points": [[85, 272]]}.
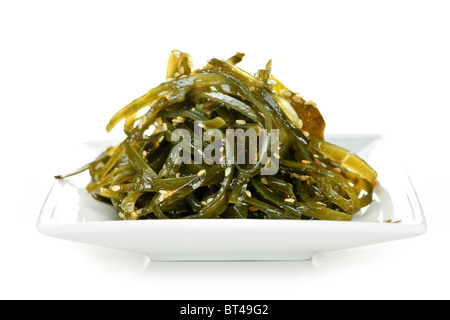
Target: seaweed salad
{"points": [[179, 159]]}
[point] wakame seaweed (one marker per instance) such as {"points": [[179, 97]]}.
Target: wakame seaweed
{"points": [[142, 179]]}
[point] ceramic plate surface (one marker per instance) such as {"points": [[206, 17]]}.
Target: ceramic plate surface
{"points": [[71, 213]]}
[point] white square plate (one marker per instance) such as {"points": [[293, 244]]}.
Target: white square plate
{"points": [[71, 213]]}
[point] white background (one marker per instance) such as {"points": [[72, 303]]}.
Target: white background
{"points": [[373, 67]]}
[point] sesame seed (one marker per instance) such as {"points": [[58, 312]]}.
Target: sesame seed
{"points": [[161, 139], [161, 198], [162, 191], [201, 172], [209, 200], [122, 215], [169, 194], [297, 98], [222, 160], [204, 203], [227, 171], [177, 175], [181, 70], [252, 209], [213, 88], [115, 188], [241, 122], [134, 215], [310, 103], [144, 154], [306, 162], [248, 193], [317, 161], [290, 200], [337, 170], [287, 94]]}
